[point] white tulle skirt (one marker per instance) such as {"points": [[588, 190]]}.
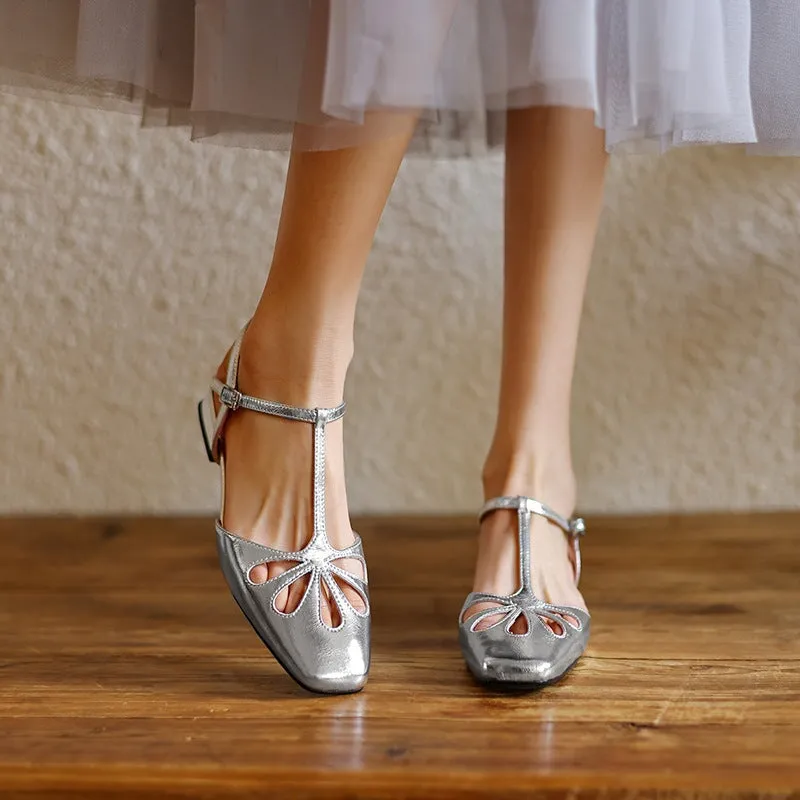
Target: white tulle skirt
{"points": [[658, 73]]}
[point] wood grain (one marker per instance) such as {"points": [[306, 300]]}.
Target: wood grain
{"points": [[127, 671]]}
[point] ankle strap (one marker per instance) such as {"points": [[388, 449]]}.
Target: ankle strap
{"points": [[574, 527], [234, 399]]}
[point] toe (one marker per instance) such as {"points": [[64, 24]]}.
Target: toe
{"points": [[354, 598], [328, 610], [488, 621], [259, 573], [282, 598], [353, 567], [296, 592]]}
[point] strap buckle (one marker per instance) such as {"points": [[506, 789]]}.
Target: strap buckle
{"points": [[230, 397], [577, 527]]}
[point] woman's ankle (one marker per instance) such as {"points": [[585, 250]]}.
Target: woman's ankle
{"points": [[534, 473], [298, 364]]}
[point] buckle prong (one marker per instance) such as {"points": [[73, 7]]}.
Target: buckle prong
{"points": [[230, 397]]}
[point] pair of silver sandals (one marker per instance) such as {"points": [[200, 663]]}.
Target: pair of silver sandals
{"points": [[335, 659]]}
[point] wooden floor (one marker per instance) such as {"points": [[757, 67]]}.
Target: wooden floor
{"points": [[127, 671]]}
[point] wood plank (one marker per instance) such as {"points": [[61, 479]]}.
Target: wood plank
{"points": [[198, 621], [579, 755], [127, 671], [100, 686]]}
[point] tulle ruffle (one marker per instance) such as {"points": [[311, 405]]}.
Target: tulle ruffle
{"points": [[658, 73]]}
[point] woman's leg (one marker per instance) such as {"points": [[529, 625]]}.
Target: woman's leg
{"points": [[555, 163], [299, 344]]}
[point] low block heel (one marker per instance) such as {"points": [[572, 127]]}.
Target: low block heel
{"points": [[204, 429]]}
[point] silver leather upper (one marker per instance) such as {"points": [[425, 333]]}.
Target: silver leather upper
{"points": [[540, 655], [320, 657]]}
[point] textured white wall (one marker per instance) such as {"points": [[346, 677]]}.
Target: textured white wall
{"points": [[128, 260]]}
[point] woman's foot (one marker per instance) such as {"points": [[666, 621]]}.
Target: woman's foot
{"points": [[269, 464], [552, 557]]}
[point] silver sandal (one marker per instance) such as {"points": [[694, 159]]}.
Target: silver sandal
{"points": [[319, 657], [539, 656]]}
